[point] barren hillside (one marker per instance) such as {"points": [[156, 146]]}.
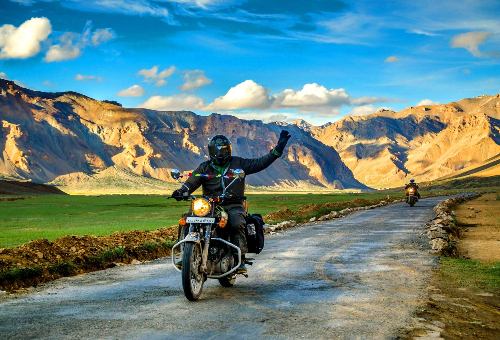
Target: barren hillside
{"points": [[68, 137], [388, 148]]}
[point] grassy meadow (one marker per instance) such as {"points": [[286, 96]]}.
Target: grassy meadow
{"points": [[53, 216], [29, 217]]}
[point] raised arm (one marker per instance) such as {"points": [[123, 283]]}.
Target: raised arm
{"points": [[251, 166]]}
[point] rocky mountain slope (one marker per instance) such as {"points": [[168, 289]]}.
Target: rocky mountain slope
{"points": [[427, 142], [67, 137]]}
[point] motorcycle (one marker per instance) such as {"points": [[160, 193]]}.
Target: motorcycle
{"points": [[206, 252], [411, 196]]}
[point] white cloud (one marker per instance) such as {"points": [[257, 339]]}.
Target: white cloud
{"points": [[470, 41], [391, 59], [82, 77], [3, 75], [198, 3], [102, 35], [71, 45], [363, 110], [67, 49], [422, 32], [194, 79], [426, 102], [245, 95], [23, 41], [153, 75], [313, 97], [178, 102], [132, 91]]}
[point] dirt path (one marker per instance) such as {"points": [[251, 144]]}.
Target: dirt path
{"points": [[481, 218], [360, 276]]}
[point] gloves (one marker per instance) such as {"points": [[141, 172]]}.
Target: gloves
{"points": [[179, 194], [284, 137]]}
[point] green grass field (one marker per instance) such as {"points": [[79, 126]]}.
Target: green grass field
{"points": [[53, 216]]}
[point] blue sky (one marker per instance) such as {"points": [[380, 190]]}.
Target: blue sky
{"points": [[273, 60]]}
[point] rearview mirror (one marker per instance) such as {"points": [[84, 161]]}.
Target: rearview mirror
{"points": [[239, 173], [175, 173]]}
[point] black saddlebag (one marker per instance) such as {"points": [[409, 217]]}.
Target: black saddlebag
{"points": [[255, 233]]}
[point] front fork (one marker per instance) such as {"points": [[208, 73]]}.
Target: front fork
{"points": [[194, 236], [204, 254]]}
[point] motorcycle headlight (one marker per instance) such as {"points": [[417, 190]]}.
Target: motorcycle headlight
{"points": [[200, 207], [411, 191]]}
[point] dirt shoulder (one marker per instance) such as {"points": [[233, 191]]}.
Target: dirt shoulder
{"points": [[480, 219], [42, 260], [464, 292]]}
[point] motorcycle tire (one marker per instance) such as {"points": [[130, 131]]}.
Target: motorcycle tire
{"points": [[192, 279], [227, 281]]}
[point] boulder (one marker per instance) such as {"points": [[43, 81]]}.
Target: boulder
{"points": [[439, 245]]}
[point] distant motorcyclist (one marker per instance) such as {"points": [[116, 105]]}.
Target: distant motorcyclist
{"points": [[413, 185], [213, 182]]}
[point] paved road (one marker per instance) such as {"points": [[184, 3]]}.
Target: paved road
{"points": [[355, 277]]}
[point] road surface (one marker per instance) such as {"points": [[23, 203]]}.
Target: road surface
{"points": [[356, 277]]}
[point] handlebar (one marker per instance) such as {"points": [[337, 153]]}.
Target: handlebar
{"points": [[209, 176]]}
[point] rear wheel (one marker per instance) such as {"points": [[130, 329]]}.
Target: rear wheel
{"points": [[228, 281], [192, 277]]}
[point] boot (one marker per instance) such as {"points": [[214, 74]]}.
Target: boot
{"points": [[242, 269]]}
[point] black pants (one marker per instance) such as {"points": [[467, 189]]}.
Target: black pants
{"points": [[236, 226]]}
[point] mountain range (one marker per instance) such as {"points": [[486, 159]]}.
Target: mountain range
{"points": [[426, 142], [67, 138]]}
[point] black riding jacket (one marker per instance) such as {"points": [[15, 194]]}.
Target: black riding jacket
{"points": [[214, 183], [409, 185]]}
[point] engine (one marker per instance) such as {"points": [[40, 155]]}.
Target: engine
{"points": [[220, 260]]}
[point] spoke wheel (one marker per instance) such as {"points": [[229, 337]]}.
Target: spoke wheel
{"points": [[192, 277]]}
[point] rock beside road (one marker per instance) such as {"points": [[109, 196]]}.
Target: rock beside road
{"points": [[442, 230]]}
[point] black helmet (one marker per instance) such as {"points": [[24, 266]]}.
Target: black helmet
{"points": [[412, 180], [219, 149]]}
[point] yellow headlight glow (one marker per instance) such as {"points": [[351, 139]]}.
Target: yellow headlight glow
{"points": [[201, 207]]}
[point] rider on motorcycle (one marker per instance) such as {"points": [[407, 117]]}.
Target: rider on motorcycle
{"points": [[414, 185], [213, 182]]}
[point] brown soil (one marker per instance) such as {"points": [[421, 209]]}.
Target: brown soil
{"points": [[456, 310], [481, 221], [42, 260]]}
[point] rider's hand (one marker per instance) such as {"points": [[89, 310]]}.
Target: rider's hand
{"points": [[179, 194], [284, 137]]}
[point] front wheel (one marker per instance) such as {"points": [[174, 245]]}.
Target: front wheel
{"points": [[227, 281], [192, 278]]}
